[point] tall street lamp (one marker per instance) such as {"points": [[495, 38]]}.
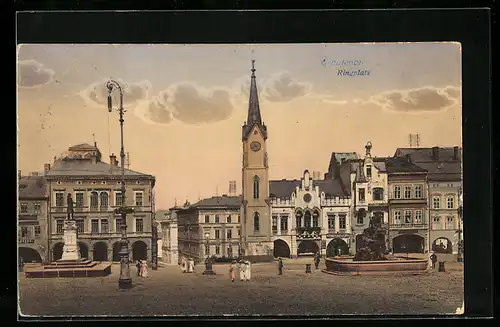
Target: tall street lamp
{"points": [[125, 280], [208, 261]]}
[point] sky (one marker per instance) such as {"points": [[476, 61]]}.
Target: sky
{"points": [[185, 105]]}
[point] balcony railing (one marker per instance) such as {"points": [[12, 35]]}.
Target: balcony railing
{"points": [[409, 225], [26, 240]]}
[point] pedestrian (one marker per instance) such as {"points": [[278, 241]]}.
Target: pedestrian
{"points": [[433, 258], [242, 270], [248, 271], [317, 260], [139, 266], [232, 272], [144, 269], [280, 266]]}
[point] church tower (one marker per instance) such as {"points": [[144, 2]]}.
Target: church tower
{"points": [[256, 211]]}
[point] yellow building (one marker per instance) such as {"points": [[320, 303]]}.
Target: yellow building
{"points": [[95, 187]]}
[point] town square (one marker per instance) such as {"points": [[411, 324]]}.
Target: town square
{"points": [[213, 191]]}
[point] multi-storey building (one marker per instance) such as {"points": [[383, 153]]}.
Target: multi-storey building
{"points": [[95, 187], [32, 219], [444, 166], [366, 182], [409, 222], [168, 244], [219, 218], [308, 216]]}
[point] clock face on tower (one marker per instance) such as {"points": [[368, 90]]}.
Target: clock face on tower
{"points": [[307, 197], [255, 146]]}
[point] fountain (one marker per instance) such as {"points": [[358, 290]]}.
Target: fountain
{"points": [[371, 258]]}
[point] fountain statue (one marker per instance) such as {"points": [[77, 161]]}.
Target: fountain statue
{"points": [[373, 242]]}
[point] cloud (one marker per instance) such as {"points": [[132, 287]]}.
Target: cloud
{"points": [[31, 73], [426, 98], [96, 94], [282, 87], [188, 103]]}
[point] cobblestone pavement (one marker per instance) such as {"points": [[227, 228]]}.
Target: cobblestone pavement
{"points": [[170, 292]]}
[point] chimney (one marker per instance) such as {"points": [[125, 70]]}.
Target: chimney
{"points": [[19, 174], [112, 160], [46, 168], [435, 153], [455, 153], [408, 157]]}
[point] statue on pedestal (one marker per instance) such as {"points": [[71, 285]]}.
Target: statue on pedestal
{"points": [[71, 210]]}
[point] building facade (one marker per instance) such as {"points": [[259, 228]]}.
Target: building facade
{"points": [[168, 244], [216, 217], [409, 220], [32, 240], [95, 187], [308, 216], [444, 167]]}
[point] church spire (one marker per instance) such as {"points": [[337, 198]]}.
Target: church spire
{"points": [[254, 117]]}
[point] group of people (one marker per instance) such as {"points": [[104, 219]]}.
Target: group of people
{"points": [[187, 265], [142, 268], [244, 268]]}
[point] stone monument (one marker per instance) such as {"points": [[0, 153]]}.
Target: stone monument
{"points": [[70, 249]]}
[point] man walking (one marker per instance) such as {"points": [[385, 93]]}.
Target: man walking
{"points": [[433, 260], [317, 259], [280, 266], [138, 265]]}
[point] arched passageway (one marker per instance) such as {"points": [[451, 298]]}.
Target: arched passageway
{"points": [[442, 245], [29, 255], [116, 251], [408, 243], [337, 246], [139, 251], [281, 249], [84, 250], [307, 247], [100, 252], [57, 251]]}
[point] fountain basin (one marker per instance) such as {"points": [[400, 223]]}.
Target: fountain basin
{"points": [[391, 266]]}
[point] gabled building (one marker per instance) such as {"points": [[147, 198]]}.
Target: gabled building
{"points": [[95, 187], [32, 220], [409, 220], [444, 167], [309, 216], [168, 244]]}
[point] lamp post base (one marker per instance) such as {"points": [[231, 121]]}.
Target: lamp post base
{"points": [[125, 283], [208, 268], [209, 272]]}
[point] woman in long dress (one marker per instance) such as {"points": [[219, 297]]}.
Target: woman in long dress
{"points": [[232, 272], [242, 270], [248, 271], [144, 269]]}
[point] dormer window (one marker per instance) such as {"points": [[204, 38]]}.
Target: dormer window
{"points": [[369, 171]]}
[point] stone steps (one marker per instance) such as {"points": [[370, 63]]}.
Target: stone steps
{"points": [[69, 268]]}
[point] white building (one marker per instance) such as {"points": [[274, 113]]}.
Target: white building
{"points": [[168, 249]]}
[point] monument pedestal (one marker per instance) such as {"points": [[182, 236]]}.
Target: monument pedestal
{"points": [[71, 252]]}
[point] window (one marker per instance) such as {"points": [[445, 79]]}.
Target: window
{"points": [[436, 223], [361, 193], [94, 223], [436, 202], [118, 224], [229, 234], [25, 232], [217, 249], [139, 225], [275, 224], [298, 219], [407, 192], [316, 219], [24, 208], [397, 217], [228, 219], [229, 251], [256, 226], [369, 171], [284, 224], [216, 219], [397, 192], [59, 226], [418, 191], [104, 226], [239, 233], [59, 199], [37, 208], [307, 219], [238, 219], [80, 226], [449, 222], [207, 250], [378, 194], [94, 200], [217, 234], [342, 221], [207, 219], [331, 222], [360, 220], [407, 216], [37, 230], [104, 200], [256, 187], [138, 198], [118, 199], [79, 200], [418, 216], [450, 202]]}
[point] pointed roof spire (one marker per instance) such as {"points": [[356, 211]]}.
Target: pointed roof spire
{"points": [[254, 117]]}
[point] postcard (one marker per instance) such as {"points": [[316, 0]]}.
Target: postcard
{"points": [[240, 180]]}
